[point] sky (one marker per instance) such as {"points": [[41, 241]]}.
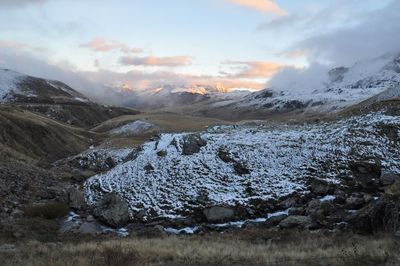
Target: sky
{"points": [[232, 43]]}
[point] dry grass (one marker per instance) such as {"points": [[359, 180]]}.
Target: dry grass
{"points": [[244, 248]]}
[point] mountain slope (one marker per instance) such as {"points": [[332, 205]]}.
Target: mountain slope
{"points": [[38, 137], [317, 91], [54, 99]]}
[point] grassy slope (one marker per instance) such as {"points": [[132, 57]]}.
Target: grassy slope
{"points": [[39, 137]]}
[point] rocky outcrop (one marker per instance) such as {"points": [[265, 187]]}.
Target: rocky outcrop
{"points": [[378, 215], [90, 228], [218, 214], [76, 199], [296, 221], [192, 144], [389, 178], [112, 210], [367, 173]]}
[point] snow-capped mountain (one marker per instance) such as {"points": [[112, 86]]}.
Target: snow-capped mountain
{"points": [[171, 95], [17, 87], [53, 99], [318, 90]]}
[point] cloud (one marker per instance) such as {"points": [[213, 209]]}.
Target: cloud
{"points": [[292, 54], [300, 80], [170, 61], [18, 46], [99, 44], [254, 69], [265, 6], [20, 3], [11, 44], [377, 33]]}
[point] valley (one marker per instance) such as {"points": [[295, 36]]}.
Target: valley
{"points": [[222, 167]]}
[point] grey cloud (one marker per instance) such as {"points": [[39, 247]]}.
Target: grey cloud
{"points": [[377, 34]]}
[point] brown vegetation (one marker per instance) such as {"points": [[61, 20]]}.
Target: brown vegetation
{"points": [[248, 247]]}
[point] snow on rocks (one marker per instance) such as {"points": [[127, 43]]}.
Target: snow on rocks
{"points": [[8, 83], [134, 128], [280, 160], [319, 90]]}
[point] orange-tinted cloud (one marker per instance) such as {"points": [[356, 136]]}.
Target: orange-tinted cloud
{"points": [[101, 45], [266, 6], [255, 69], [170, 61]]}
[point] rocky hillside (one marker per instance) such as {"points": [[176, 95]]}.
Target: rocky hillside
{"points": [[250, 168], [54, 99]]}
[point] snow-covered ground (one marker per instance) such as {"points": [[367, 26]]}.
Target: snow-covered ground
{"points": [[134, 128], [279, 159], [8, 82]]}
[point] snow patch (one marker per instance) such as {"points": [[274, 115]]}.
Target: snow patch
{"points": [[134, 128]]}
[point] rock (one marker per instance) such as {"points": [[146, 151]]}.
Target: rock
{"points": [[397, 235], [5, 248], [90, 218], [76, 199], [17, 213], [354, 203], [296, 221], [68, 227], [320, 188], [218, 214], [150, 232], [240, 169], [340, 196], [388, 179], [288, 203], [90, 228], [378, 215], [192, 144], [112, 210], [274, 220], [296, 211], [323, 208], [367, 173], [110, 162]]}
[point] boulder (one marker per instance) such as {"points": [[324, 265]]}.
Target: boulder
{"points": [[90, 228], [320, 188], [112, 210], [354, 202], [218, 214], [274, 220], [296, 211], [340, 196], [296, 221], [192, 144], [5, 248], [378, 215], [76, 199], [367, 173], [388, 179], [68, 227], [323, 208]]}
